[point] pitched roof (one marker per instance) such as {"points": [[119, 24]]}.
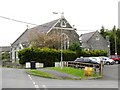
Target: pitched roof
{"points": [[40, 28], [85, 37]]}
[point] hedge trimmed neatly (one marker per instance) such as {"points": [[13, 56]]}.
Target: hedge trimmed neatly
{"points": [[45, 55], [49, 56], [93, 53]]}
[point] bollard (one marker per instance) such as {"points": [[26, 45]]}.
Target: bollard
{"points": [[33, 66]]}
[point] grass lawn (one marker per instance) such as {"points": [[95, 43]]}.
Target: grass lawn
{"points": [[73, 71], [69, 70], [41, 74]]}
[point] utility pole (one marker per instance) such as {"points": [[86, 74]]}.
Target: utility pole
{"points": [[62, 15], [115, 45]]}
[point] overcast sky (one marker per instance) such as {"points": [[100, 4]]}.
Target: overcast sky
{"points": [[86, 15]]}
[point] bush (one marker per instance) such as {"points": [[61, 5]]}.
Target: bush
{"points": [[77, 48], [5, 55], [45, 55], [96, 53], [50, 56], [69, 55]]}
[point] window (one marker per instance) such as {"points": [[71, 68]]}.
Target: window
{"points": [[97, 37], [65, 41], [63, 24]]}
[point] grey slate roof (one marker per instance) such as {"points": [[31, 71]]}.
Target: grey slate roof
{"points": [[85, 45], [40, 28], [4, 48], [85, 37]]}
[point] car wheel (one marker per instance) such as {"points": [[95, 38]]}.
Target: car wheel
{"points": [[108, 63], [116, 62]]}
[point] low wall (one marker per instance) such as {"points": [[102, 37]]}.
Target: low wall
{"points": [[11, 65]]}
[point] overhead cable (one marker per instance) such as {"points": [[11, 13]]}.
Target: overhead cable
{"points": [[16, 20]]}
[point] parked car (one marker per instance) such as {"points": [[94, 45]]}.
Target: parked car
{"points": [[116, 58], [108, 61], [95, 59], [86, 60], [79, 60], [83, 60]]}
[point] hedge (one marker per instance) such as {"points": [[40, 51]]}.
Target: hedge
{"points": [[95, 53], [49, 56], [45, 55]]}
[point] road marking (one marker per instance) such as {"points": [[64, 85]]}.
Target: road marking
{"points": [[34, 83], [44, 86], [30, 78], [29, 75], [36, 86]]}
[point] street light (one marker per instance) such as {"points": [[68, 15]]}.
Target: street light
{"points": [[115, 45], [62, 15]]}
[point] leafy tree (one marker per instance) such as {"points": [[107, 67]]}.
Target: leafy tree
{"points": [[102, 31], [76, 47], [114, 29], [42, 40], [6, 55], [118, 40], [112, 34]]}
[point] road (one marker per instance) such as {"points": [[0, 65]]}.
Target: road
{"points": [[110, 72], [17, 78]]}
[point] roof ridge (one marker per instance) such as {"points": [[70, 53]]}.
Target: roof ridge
{"points": [[87, 36], [89, 32], [42, 25]]}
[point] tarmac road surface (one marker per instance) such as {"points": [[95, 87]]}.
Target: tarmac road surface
{"points": [[18, 78]]}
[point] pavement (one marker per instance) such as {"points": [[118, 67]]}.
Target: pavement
{"points": [[18, 78]]}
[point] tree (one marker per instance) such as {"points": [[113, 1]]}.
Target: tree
{"points": [[76, 47], [114, 36], [5, 55], [114, 29], [44, 40], [118, 40], [102, 31]]}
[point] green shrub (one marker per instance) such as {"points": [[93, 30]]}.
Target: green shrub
{"points": [[5, 55], [50, 56], [77, 48], [45, 55], [86, 53], [69, 55]]}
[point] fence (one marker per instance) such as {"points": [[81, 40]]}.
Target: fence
{"points": [[98, 68]]}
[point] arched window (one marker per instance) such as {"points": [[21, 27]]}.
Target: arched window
{"points": [[65, 41], [63, 24]]}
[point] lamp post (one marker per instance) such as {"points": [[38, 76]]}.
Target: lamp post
{"points": [[62, 15], [115, 45]]}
